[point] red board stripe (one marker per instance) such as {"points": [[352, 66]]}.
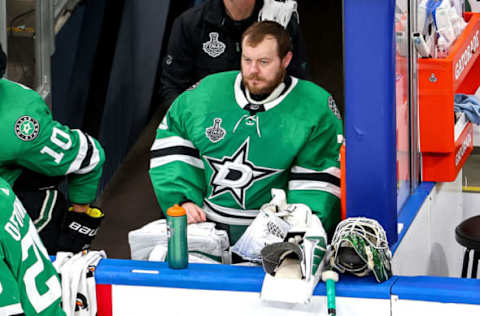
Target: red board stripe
{"points": [[104, 299]]}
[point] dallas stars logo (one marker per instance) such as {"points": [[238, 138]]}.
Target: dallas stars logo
{"points": [[27, 128], [235, 174]]}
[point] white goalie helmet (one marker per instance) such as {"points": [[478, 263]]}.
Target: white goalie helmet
{"points": [[359, 246]]}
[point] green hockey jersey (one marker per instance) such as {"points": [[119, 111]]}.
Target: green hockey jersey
{"points": [[224, 153], [29, 283], [31, 139]]}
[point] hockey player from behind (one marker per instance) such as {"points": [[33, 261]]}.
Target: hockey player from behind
{"points": [[33, 142], [29, 284], [227, 141]]}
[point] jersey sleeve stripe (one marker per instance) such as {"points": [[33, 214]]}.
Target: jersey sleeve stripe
{"points": [[171, 141], [176, 150], [88, 155], [334, 171], [314, 185], [94, 160], [14, 309], [160, 161], [320, 177], [82, 152]]}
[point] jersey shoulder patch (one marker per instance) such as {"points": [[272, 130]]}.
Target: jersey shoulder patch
{"points": [[27, 128], [333, 107]]}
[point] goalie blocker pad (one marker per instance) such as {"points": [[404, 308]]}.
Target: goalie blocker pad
{"points": [[78, 231]]}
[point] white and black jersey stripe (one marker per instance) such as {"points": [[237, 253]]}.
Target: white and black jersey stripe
{"points": [[88, 155], [327, 180], [226, 215], [12, 310], [174, 148]]}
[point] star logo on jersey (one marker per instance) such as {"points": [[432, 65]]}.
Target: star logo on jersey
{"points": [[27, 128], [235, 174]]}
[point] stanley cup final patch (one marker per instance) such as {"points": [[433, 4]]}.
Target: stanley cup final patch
{"points": [[27, 128], [215, 133], [214, 47]]}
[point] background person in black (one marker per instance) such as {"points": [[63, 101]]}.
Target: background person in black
{"points": [[206, 39]]}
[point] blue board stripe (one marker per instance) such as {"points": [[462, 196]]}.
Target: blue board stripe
{"points": [[438, 289], [220, 277]]}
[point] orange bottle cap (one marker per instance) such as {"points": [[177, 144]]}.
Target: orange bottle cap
{"points": [[176, 210]]}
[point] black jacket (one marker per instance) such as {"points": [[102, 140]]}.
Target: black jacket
{"points": [[205, 40]]}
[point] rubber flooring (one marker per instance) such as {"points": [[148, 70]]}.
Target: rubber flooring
{"points": [[128, 200]]}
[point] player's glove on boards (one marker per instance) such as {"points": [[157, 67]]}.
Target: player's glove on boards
{"points": [[79, 229]]}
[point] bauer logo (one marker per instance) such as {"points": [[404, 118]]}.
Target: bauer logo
{"points": [[84, 230], [466, 56], [461, 152]]}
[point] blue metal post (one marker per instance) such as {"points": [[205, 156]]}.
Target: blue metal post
{"points": [[369, 52]]}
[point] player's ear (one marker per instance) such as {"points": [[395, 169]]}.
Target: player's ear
{"points": [[286, 60]]}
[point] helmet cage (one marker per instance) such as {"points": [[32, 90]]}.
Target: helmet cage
{"points": [[369, 243]]}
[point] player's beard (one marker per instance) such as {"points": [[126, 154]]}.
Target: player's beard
{"points": [[265, 89]]}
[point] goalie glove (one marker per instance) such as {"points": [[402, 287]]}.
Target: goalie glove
{"points": [[79, 229]]}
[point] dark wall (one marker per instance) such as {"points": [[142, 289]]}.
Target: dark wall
{"points": [[104, 70], [321, 23], [73, 62]]}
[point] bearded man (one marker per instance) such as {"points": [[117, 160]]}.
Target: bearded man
{"points": [[232, 137]]}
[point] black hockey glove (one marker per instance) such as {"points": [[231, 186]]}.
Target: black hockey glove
{"points": [[79, 229]]}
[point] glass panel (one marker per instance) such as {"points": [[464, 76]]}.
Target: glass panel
{"points": [[21, 42], [402, 102]]}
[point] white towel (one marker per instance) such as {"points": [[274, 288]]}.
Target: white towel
{"points": [[278, 11], [78, 281]]}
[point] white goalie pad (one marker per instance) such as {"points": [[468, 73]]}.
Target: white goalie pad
{"points": [[278, 11], [159, 253], [267, 228], [201, 237], [291, 277], [298, 216]]}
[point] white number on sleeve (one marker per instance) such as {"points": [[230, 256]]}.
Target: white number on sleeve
{"points": [[62, 140], [38, 301]]}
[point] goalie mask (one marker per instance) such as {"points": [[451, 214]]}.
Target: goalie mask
{"points": [[359, 246]]}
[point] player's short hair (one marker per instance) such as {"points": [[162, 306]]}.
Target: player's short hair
{"points": [[257, 32]]}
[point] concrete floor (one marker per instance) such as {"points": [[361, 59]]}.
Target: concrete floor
{"points": [[128, 200]]}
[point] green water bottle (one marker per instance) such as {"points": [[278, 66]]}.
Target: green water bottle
{"points": [[177, 255]]}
